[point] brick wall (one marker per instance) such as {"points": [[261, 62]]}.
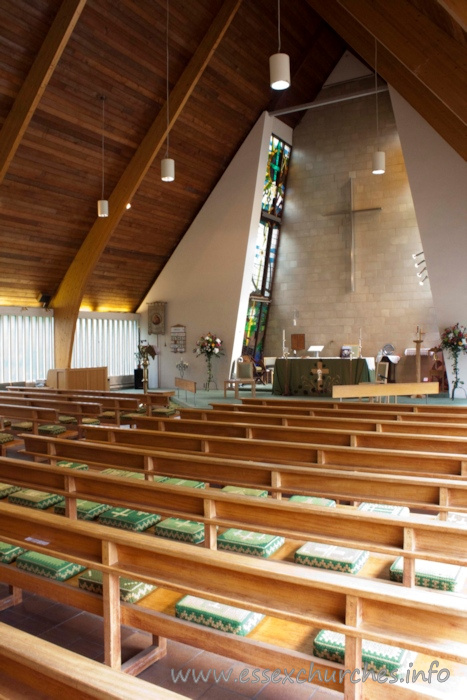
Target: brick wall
{"points": [[332, 145]]}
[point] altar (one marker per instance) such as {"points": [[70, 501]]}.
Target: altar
{"points": [[317, 375]]}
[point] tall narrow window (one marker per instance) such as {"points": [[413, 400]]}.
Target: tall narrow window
{"points": [[267, 245]]}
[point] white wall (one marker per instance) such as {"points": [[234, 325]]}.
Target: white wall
{"points": [[438, 181], [206, 281]]}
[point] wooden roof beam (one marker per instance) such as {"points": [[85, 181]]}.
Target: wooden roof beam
{"points": [[68, 298], [431, 78], [37, 80], [457, 9]]}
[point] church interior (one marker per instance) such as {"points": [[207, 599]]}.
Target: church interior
{"points": [[233, 349]]}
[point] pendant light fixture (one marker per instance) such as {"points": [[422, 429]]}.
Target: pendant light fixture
{"points": [[279, 63], [379, 157], [167, 164], [102, 204]]}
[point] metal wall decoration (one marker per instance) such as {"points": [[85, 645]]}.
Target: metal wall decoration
{"points": [[156, 318]]}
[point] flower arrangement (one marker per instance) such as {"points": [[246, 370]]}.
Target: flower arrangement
{"points": [[209, 345], [182, 366], [454, 341]]}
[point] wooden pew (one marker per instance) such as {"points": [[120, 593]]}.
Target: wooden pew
{"points": [[31, 666], [111, 407], [350, 410], [151, 398], [295, 444], [445, 424], [428, 494], [31, 414], [290, 429], [365, 459], [296, 602], [338, 405], [344, 526]]}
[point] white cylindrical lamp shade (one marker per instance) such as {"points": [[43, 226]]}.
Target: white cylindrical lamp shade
{"points": [[102, 208], [379, 163], [167, 169], [279, 71]]}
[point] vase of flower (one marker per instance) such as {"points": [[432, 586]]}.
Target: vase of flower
{"points": [[210, 346], [454, 342]]}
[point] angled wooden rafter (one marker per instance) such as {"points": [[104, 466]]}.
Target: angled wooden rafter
{"points": [[68, 298], [37, 80], [431, 73]]}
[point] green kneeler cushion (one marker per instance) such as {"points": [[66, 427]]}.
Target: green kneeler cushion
{"points": [[9, 552], [73, 465], [189, 483], [22, 425], [459, 518], [51, 429], [50, 567], [378, 657], [127, 519], [245, 491], [181, 530], [128, 474], [313, 500], [221, 617], [130, 591], [34, 499], [86, 510], [385, 509], [5, 438], [67, 420], [246, 542], [431, 574], [6, 489], [331, 557]]}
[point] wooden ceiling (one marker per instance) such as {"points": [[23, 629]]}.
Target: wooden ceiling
{"points": [[59, 57]]}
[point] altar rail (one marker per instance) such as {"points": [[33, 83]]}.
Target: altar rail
{"points": [[368, 390]]}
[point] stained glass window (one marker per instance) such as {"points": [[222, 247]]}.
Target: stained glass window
{"points": [[267, 244]]}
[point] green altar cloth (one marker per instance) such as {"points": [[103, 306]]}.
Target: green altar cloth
{"points": [[316, 376]]}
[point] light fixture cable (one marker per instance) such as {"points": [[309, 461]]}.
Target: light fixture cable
{"points": [[379, 157], [103, 204], [167, 164]]}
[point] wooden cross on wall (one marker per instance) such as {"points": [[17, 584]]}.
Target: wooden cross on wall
{"points": [[318, 372]]}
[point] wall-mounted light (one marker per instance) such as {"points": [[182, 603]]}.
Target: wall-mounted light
{"points": [[102, 204], [279, 63], [167, 164], [416, 255], [417, 264]]}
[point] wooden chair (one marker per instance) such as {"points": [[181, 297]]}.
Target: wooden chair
{"points": [[259, 370], [244, 374]]}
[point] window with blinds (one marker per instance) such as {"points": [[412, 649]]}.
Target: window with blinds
{"points": [[27, 344]]}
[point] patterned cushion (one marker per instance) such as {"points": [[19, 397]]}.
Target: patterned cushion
{"points": [[130, 591], [332, 557], [34, 499], [5, 438], [73, 465], [6, 489], [189, 483], [385, 509], [67, 419], [87, 420], [9, 552], [221, 617], [86, 510], [181, 530], [246, 542], [431, 574], [51, 429], [50, 567], [378, 657], [6, 422], [244, 491], [22, 425], [127, 519], [313, 500]]}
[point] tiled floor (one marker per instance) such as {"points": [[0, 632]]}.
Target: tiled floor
{"points": [[83, 633]]}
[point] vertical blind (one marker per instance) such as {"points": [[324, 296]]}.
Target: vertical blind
{"points": [[27, 345]]}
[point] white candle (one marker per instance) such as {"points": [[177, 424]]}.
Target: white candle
{"points": [[283, 336]]}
